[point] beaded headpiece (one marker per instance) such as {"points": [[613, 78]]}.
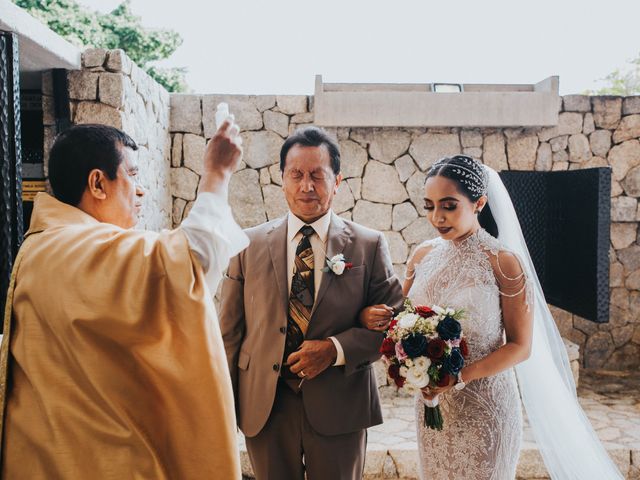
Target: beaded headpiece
{"points": [[470, 172]]}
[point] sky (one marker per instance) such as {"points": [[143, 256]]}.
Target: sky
{"points": [[278, 46]]}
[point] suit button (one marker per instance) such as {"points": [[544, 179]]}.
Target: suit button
{"points": [[276, 367], [283, 330]]}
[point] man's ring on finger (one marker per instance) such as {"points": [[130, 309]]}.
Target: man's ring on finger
{"points": [[302, 373]]}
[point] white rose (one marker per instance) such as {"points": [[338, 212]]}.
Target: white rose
{"points": [[422, 363], [408, 362], [438, 309], [410, 389], [417, 377], [338, 267], [409, 320], [403, 371]]}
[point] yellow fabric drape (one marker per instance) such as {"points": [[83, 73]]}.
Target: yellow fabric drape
{"points": [[116, 364]]}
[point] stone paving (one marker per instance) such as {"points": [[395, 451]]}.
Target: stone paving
{"points": [[610, 399]]}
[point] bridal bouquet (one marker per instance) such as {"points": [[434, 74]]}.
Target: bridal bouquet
{"points": [[424, 346]]}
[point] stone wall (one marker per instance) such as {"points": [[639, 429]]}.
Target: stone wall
{"points": [[384, 171], [112, 90]]}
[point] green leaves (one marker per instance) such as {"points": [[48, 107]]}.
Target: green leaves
{"points": [[118, 29]]}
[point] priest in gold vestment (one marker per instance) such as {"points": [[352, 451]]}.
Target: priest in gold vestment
{"points": [[112, 361]]}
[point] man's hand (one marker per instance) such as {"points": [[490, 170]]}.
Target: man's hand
{"points": [[376, 317], [312, 358], [221, 158]]}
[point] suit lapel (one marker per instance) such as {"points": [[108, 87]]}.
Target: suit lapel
{"points": [[337, 240], [277, 240]]}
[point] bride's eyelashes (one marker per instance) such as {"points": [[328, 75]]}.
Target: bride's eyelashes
{"points": [[449, 208]]}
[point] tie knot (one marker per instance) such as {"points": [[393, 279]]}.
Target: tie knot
{"points": [[307, 231]]}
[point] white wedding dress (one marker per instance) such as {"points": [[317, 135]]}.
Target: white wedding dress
{"points": [[483, 422]]}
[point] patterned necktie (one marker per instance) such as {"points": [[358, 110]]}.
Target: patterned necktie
{"points": [[301, 297]]}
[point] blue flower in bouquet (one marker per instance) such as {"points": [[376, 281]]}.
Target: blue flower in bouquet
{"points": [[415, 345], [449, 328], [454, 362]]}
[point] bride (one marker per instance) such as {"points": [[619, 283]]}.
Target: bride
{"points": [[488, 272]]}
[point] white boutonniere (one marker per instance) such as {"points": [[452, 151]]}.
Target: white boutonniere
{"points": [[337, 265]]}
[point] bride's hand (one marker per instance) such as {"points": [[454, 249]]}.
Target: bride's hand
{"points": [[429, 393], [376, 317]]}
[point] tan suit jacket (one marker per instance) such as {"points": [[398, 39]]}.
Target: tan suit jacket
{"points": [[253, 319]]}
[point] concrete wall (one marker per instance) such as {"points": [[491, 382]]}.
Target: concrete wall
{"points": [[385, 169], [110, 89]]}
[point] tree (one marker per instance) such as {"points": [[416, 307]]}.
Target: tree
{"points": [[623, 82], [118, 29]]}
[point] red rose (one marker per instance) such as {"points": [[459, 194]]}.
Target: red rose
{"points": [[435, 349], [388, 347], [393, 323], [464, 348], [394, 373], [444, 380], [348, 266], [424, 311]]}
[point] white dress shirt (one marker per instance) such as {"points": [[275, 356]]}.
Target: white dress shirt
{"points": [[318, 242], [213, 235]]}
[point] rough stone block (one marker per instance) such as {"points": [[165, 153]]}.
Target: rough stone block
{"points": [[193, 148], [630, 258], [403, 215], [274, 202], [343, 200], [606, 111], [544, 158], [177, 211], [624, 157], [623, 209], [265, 177], [428, 148], [471, 138], [372, 215], [397, 247], [494, 154], [355, 185], [276, 122], [631, 105], [418, 231], [522, 150], [381, 184], [118, 61], [600, 142], [111, 88], [473, 152], [628, 128], [292, 104], [91, 112], [185, 113], [353, 158], [598, 349], [276, 175], [387, 145], [261, 149], [82, 85], [184, 183], [569, 123], [631, 182], [579, 150], [176, 150], [303, 118], [245, 112], [245, 198], [265, 102], [405, 167], [576, 103], [93, 57], [588, 125]]}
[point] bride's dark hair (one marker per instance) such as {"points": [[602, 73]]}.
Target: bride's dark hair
{"points": [[471, 178]]}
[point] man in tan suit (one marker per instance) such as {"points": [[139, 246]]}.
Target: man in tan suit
{"points": [[301, 365]]}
